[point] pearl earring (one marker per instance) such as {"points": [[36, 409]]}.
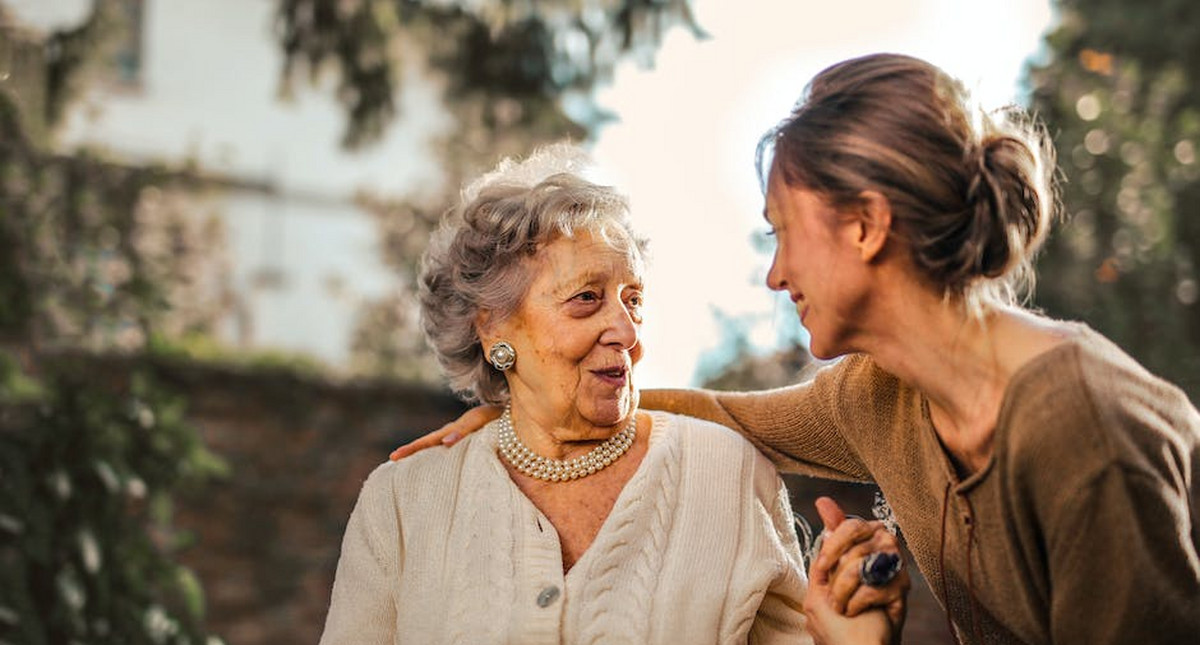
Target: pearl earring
{"points": [[502, 356]]}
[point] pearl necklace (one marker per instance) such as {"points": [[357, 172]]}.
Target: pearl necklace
{"points": [[530, 463]]}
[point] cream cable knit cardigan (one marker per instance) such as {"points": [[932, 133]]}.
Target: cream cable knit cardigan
{"points": [[699, 548]]}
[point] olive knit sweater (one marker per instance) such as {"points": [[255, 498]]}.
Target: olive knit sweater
{"points": [[1083, 527]]}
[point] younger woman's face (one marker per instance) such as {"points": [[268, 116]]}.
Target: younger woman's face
{"points": [[817, 264]]}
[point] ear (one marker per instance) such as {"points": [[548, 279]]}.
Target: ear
{"points": [[874, 224], [483, 327]]}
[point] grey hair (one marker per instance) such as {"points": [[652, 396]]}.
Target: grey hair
{"points": [[477, 260]]}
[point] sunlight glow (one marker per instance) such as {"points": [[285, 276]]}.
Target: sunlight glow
{"points": [[683, 148]]}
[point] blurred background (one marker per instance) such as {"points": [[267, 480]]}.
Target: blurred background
{"points": [[211, 214]]}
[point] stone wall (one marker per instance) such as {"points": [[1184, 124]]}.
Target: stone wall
{"points": [[267, 538]]}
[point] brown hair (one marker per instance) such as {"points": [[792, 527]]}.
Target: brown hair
{"points": [[971, 198]]}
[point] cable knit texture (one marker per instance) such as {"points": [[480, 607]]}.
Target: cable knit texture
{"points": [[700, 547], [1083, 528]]}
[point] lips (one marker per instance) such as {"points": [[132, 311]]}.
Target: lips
{"points": [[615, 375]]}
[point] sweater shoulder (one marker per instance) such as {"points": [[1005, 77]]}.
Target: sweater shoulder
{"points": [[406, 481], [720, 453], [878, 397], [693, 435], [1089, 403]]}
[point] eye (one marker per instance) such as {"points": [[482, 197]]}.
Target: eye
{"points": [[587, 296], [633, 302]]}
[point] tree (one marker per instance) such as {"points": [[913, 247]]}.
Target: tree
{"points": [[1121, 95]]}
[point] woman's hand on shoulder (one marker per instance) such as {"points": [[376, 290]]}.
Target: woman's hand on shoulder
{"points": [[839, 600], [449, 434]]}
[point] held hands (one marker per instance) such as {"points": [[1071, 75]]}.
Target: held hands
{"points": [[839, 606], [449, 434]]}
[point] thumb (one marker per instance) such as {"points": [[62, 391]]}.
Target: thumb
{"points": [[831, 514]]}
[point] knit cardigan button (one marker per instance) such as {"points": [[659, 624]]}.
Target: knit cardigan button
{"points": [[548, 596]]}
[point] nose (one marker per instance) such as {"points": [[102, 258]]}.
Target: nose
{"points": [[623, 329], [775, 279]]}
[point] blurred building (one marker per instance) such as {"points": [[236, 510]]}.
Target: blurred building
{"points": [[197, 85]]}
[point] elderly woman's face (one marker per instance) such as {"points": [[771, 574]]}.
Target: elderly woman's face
{"points": [[576, 334]]}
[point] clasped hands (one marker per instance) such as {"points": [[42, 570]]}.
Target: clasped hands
{"points": [[840, 606]]}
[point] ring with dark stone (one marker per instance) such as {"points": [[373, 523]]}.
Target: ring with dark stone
{"points": [[880, 568]]}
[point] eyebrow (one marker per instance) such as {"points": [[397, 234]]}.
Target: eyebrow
{"points": [[589, 277], [564, 284]]}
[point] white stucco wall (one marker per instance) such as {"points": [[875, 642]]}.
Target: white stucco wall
{"points": [[208, 94]]}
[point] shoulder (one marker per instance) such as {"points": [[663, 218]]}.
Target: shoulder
{"points": [[406, 480], [691, 434], [1088, 399], [714, 452]]}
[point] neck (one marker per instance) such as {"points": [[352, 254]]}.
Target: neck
{"points": [[962, 364], [563, 436]]}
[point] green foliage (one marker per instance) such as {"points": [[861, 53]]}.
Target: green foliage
{"points": [[98, 256], [530, 52], [1121, 93], [88, 471], [72, 53], [203, 348], [70, 266]]}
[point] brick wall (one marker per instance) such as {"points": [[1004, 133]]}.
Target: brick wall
{"points": [[268, 537]]}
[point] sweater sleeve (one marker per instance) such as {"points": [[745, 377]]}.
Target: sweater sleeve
{"points": [[800, 428], [1122, 566], [362, 610], [1122, 547]]}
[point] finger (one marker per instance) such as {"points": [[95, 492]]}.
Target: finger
{"points": [[428, 441], [898, 608], [845, 580], [865, 597], [830, 512], [891, 598], [849, 533], [452, 432], [832, 516], [846, 574], [816, 602]]}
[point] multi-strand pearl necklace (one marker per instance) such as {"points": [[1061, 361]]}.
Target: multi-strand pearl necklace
{"points": [[530, 463]]}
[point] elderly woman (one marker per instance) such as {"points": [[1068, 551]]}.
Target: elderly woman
{"points": [[574, 517]]}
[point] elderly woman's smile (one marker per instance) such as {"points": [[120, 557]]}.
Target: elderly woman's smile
{"points": [[577, 335]]}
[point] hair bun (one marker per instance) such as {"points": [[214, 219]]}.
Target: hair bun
{"points": [[1005, 208]]}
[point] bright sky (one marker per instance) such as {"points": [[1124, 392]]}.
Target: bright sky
{"points": [[684, 147]]}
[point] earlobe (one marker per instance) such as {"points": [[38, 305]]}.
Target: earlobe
{"points": [[875, 224]]}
